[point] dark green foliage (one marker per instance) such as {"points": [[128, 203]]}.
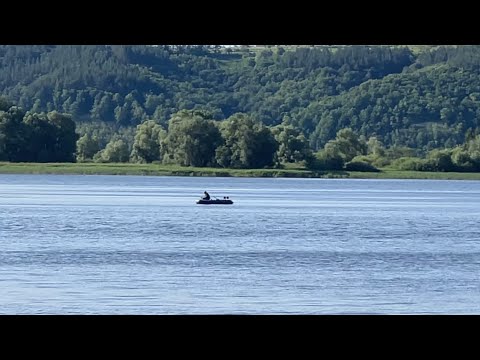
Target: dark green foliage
{"points": [[65, 137], [246, 144], [263, 148], [466, 56], [294, 99], [4, 104], [346, 146], [14, 135], [423, 101], [327, 161], [87, 147], [422, 109], [36, 137], [116, 151], [126, 84], [192, 140], [360, 166], [148, 143], [439, 160], [292, 144]]}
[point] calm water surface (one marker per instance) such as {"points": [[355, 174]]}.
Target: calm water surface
{"points": [[140, 245]]}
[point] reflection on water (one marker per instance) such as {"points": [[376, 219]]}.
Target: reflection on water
{"points": [[140, 245]]}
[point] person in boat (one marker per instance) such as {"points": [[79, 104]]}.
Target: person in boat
{"points": [[206, 196]]}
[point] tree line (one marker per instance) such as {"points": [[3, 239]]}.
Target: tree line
{"points": [[35, 137], [353, 152], [193, 138], [424, 99]]}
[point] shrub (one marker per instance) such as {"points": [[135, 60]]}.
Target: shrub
{"points": [[360, 166]]}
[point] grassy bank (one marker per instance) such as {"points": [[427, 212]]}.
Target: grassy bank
{"points": [[398, 174], [167, 170], [148, 169]]}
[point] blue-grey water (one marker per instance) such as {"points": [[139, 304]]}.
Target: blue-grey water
{"points": [[140, 245]]}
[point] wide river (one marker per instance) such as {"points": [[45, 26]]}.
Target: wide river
{"points": [[140, 245]]}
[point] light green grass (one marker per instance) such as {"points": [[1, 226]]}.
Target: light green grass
{"points": [[398, 174], [170, 170], [144, 169]]}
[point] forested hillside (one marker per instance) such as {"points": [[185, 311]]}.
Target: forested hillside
{"points": [[423, 97]]}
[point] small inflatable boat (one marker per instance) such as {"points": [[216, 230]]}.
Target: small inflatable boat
{"points": [[215, 202]]}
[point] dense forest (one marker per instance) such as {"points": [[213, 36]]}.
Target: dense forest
{"points": [[243, 106]]}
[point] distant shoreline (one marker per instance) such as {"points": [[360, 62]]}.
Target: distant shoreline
{"points": [[168, 170]]}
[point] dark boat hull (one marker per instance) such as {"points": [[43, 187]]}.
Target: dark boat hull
{"points": [[215, 202]]}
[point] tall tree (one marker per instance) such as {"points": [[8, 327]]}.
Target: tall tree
{"points": [[293, 146], [13, 134], [116, 151], [147, 146], [65, 136], [247, 144], [192, 139], [87, 147]]}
